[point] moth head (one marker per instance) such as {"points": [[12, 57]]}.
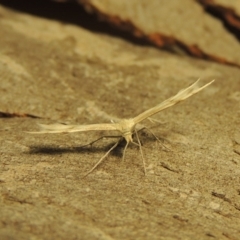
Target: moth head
{"points": [[128, 137]]}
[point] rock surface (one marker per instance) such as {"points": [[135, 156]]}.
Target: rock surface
{"points": [[59, 71]]}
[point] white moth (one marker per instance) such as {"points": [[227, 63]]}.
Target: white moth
{"points": [[126, 127]]}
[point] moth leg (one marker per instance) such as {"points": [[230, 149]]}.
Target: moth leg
{"points": [[91, 143], [148, 129], [102, 158], [140, 147], [124, 151]]}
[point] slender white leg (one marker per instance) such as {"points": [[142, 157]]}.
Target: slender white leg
{"points": [[156, 138], [91, 143], [102, 158], [124, 151], [140, 147]]}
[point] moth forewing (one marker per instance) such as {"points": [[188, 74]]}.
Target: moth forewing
{"points": [[62, 128], [180, 96]]}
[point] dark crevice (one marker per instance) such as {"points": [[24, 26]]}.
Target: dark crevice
{"points": [[223, 14], [70, 12], [12, 115]]}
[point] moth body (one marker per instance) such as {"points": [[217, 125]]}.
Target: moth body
{"points": [[126, 128]]}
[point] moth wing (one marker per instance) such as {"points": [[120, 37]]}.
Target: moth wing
{"points": [[62, 128], [180, 96]]}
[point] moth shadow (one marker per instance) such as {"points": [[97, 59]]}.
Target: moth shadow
{"points": [[56, 150]]}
